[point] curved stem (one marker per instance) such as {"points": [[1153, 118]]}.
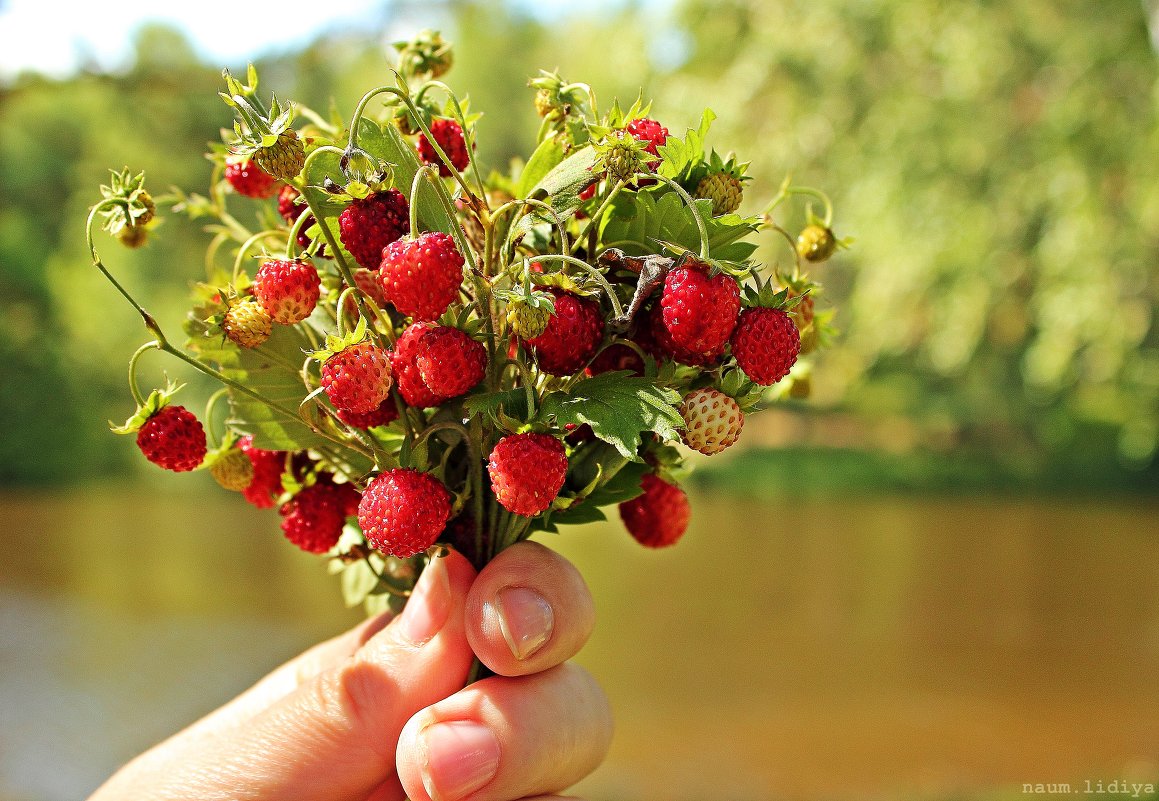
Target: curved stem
{"points": [[295, 231], [528, 383], [449, 207], [210, 407], [340, 311], [817, 193], [700, 226], [249, 243], [385, 340], [617, 309], [133, 388], [150, 323], [468, 139], [615, 190], [565, 245]]}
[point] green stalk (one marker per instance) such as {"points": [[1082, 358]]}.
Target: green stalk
{"points": [[617, 309], [700, 226]]}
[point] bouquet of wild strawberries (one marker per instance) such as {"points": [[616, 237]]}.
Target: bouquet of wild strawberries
{"points": [[415, 356]]}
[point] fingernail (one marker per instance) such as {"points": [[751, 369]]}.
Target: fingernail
{"points": [[459, 757], [429, 604], [525, 618]]}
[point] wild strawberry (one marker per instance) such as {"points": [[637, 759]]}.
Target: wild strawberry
{"points": [[421, 276], [384, 415], [816, 243], [450, 362], [290, 210], [371, 223], [283, 159], [724, 190], [288, 207], [268, 468], [654, 337], [173, 438], [527, 472], [313, 519], [527, 320], [650, 132], [712, 420], [658, 517], [232, 470], [448, 135], [404, 364], [403, 511], [766, 343], [247, 323], [287, 290], [357, 378], [367, 282], [133, 236], [699, 310], [250, 180], [572, 335]]}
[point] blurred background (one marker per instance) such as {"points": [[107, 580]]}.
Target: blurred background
{"points": [[935, 579]]}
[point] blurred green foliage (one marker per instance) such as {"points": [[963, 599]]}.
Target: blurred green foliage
{"points": [[995, 164]]}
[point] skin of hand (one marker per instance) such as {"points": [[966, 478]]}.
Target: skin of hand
{"points": [[381, 713]]}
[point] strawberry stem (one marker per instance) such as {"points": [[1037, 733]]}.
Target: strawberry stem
{"points": [[136, 357], [617, 309], [700, 226]]}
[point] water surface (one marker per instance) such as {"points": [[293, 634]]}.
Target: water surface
{"points": [[861, 649]]}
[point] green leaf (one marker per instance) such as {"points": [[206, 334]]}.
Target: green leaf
{"points": [[512, 402], [546, 157], [272, 371], [566, 180], [680, 156], [358, 581], [619, 407], [645, 218]]}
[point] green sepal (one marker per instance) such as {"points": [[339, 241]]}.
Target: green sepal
{"points": [[158, 399], [336, 344]]}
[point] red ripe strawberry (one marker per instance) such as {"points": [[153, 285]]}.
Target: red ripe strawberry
{"points": [[766, 343], [173, 438], [699, 310], [652, 133], [404, 364], [449, 361], [572, 335], [367, 282], [287, 207], [421, 276], [291, 211], [617, 356], [712, 420], [250, 180], [357, 379], [313, 519], [527, 472], [658, 517], [654, 338], [384, 415], [403, 511], [268, 468], [287, 290], [449, 136], [371, 223]]}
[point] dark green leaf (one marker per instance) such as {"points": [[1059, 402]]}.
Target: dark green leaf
{"points": [[619, 407], [644, 218], [546, 157]]}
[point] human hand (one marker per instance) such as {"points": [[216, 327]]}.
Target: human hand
{"points": [[380, 713]]}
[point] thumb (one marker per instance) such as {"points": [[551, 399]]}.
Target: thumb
{"points": [[335, 736]]}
